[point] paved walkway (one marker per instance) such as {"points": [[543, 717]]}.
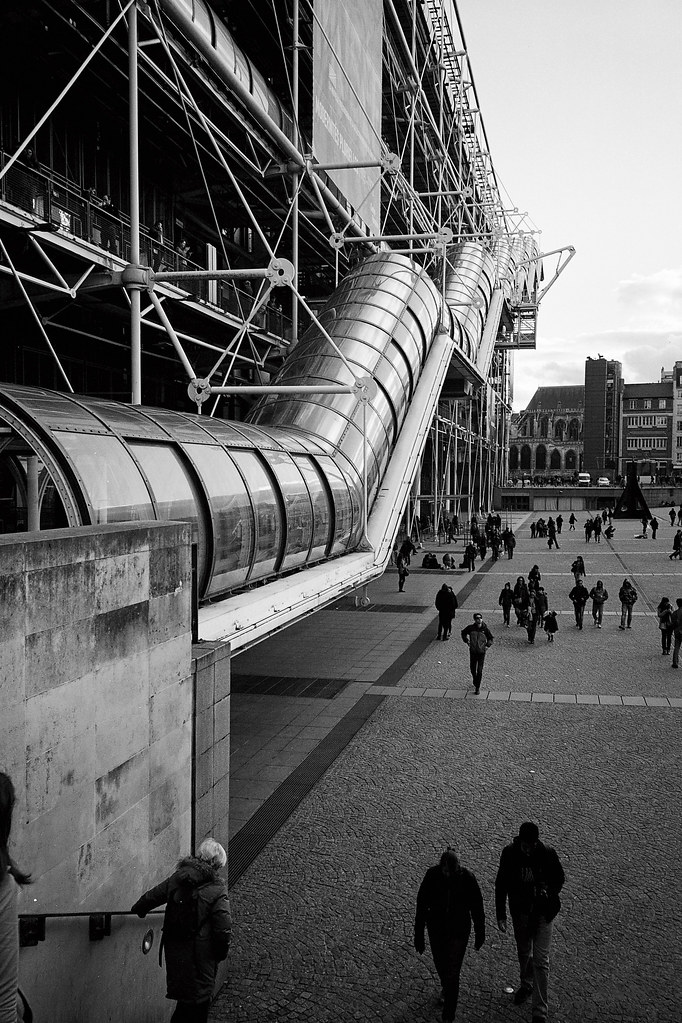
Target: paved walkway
{"points": [[364, 734]]}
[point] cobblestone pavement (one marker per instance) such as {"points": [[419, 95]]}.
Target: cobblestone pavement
{"points": [[323, 917]]}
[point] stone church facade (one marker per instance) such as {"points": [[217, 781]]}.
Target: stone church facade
{"points": [[546, 439]]}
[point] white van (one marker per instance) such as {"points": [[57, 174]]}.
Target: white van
{"points": [[584, 479]]}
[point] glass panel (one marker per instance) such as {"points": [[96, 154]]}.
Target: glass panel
{"points": [[269, 514], [232, 517], [53, 410], [299, 512], [126, 420], [175, 494], [322, 514], [184, 428], [343, 508], [110, 479]]}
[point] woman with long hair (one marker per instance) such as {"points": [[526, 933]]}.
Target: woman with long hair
{"points": [[10, 879]]}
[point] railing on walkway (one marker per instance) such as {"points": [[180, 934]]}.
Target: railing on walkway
{"points": [[58, 202], [32, 928]]}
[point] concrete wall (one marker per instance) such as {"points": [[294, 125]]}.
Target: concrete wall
{"points": [[96, 691]]}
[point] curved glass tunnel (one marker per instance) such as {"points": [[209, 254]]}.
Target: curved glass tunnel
{"points": [[264, 497]]}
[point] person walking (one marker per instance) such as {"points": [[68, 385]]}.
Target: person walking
{"points": [[627, 595], [677, 632], [530, 619], [559, 523], [403, 570], [534, 576], [654, 526], [520, 600], [551, 533], [446, 604], [598, 596], [510, 544], [551, 625], [506, 599], [470, 556], [588, 530], [579, 595], [448, 902], [671, 513], [596, 528], [530, 876], [571, 522], [664, 613], [679, 516], [197, 927], [13, 1006], [479, 639], [677, 545], [578, 569]]}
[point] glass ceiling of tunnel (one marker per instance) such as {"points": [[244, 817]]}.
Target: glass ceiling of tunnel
{"points": [[260, 502]]}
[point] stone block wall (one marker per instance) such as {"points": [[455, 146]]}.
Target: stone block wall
{"points": [[96, 731]]}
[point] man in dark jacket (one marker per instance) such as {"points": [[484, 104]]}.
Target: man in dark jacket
{"points": [[530, 875], [446, 604], [579, 595], [196, 929], [479, 639], [449, 899]]}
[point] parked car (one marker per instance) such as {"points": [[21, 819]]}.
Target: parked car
{"points": [[584, 479], [603, 481]]}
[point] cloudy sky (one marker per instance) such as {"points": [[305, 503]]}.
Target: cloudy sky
{"points": [[582, 104]]}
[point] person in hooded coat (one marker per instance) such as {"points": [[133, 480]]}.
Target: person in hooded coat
{"points": [[192, 956]]}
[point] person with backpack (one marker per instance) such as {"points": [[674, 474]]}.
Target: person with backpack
{"points": [[664, 613], [197, 927], [479, 639], [446, 605]]}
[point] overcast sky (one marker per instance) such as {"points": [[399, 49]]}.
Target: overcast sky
{"points": [[582, 104]]}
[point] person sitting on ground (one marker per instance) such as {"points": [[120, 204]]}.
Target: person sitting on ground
{"points": [[448, 561], [430, 561]]}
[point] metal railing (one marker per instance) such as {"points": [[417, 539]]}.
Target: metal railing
{"points": [[65, 207], [32, 928]]}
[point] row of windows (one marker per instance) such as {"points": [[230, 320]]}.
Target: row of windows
{"points": [[648, 402], [656, 443], [647, 421]]}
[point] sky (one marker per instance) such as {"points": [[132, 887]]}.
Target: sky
{"points": [[582, 105]]}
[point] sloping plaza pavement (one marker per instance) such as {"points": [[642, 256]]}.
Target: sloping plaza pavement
{"points": [[582, 735]]}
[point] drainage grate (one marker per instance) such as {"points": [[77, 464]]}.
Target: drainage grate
{"points": [[279, 685], [269, 818]]}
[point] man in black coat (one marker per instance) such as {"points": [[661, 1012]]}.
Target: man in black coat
{"points": [[196, 929], [449, 899], [446, 604], [579, 595], [530, 875]]}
